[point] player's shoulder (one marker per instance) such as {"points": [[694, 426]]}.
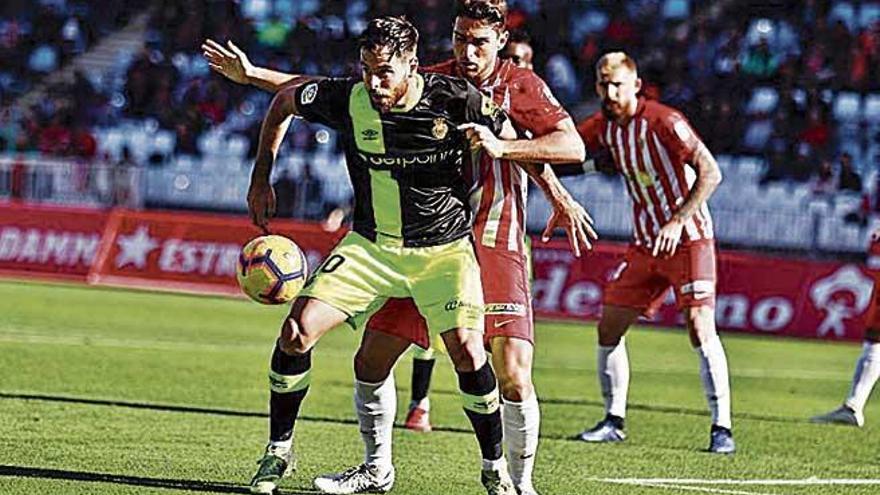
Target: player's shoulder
{"points": [[594, 122], [444, 86], [658, 113], [447, 67]]}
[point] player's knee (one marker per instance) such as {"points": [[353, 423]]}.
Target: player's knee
{"points": [[293, 340], [700, 322], [466, 350], [368, 368], [516, 383]]}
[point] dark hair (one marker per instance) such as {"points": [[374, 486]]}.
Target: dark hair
{"points": [[493, 12], [519, 36], [394, 33]]}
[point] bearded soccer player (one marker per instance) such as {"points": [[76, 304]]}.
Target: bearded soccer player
{"points": [[669, 175], [868, 365], [411, 232], [499, 201]]}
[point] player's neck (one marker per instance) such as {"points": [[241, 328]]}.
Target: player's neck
{"points": [[414, 88]]}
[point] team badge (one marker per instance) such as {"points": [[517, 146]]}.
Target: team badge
{"points": [[440, 128], [309, 93]]}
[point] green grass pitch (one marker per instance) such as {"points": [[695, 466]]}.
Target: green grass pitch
{"points": [[110, 391]]}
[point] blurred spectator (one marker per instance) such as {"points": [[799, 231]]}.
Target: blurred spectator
{"points": [[519, 50], [823, 182], [849, 178], [759, 62]]}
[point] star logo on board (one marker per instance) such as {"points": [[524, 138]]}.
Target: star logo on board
{"points": [[134, 248]]}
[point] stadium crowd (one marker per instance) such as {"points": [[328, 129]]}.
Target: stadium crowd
{"points": [[760, 78]]}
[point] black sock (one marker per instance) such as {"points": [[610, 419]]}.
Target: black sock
{"points": [[485, 415], [286, 397], [421, 378]]}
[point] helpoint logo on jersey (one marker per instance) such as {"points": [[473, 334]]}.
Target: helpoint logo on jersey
{"points": [[370, 134]]}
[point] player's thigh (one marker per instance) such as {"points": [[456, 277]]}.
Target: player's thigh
{"points": [[505, 278], [445, 285], [693, 272], [353, 278], [635, 284], [376, 356], [308, 320]]}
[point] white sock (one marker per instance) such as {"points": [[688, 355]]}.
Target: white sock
{"points": [[521, 424], [424, 404], [716, 383], [867, 372], [283, 445], [494, 464], [613, 371], [376, 406]]}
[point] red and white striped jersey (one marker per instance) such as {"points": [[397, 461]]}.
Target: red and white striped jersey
{"points": [[499, 192], [654, 153]]}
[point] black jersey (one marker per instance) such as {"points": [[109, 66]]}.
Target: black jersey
{"points": [[405, 165]]}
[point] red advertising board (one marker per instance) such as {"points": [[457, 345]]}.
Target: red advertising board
{"points": [[756, 294], [49, 241], [188, 252], [198, 253]]}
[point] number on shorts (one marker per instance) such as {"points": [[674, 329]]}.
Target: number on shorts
{"points": [[332, 263]]}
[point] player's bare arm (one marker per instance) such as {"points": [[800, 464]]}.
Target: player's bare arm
{"points": [[232, 63], [561, 145], [708, 178], [261, 197], [567, 214]]}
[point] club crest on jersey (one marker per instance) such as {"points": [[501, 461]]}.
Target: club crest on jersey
{"points": [[489, 108], [440, 128], [309, 93]]}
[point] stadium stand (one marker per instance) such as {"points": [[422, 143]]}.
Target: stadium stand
{"points": [[787, 98]]}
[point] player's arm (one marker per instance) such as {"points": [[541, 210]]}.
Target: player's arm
{"points": [[232, 63], [567, 214], [561, 145], [261, 197], [708, 178]]}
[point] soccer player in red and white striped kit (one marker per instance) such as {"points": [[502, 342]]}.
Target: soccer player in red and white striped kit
{"points": [[669, 175]]}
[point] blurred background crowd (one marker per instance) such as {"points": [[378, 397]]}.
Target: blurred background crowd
{"points": [[110, 103]]}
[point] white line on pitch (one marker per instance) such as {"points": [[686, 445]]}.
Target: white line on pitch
{"points": [[702, 489], [768, 482]]}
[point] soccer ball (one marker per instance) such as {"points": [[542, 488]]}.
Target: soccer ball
{"points": [[271, 269]]}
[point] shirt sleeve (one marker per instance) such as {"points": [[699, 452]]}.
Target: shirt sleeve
{"points": [[591, 131], [480, 109], [678, 137], [533, 106], [324, 101]]}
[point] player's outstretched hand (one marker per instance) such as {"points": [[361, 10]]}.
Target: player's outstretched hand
{"points": [[481, 136], [668, 238], [229, 61], [261, 203], [577, 223]]}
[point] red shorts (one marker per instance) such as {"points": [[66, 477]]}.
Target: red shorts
{"points": [[641, 280], [872, 317], [505, 276]]}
